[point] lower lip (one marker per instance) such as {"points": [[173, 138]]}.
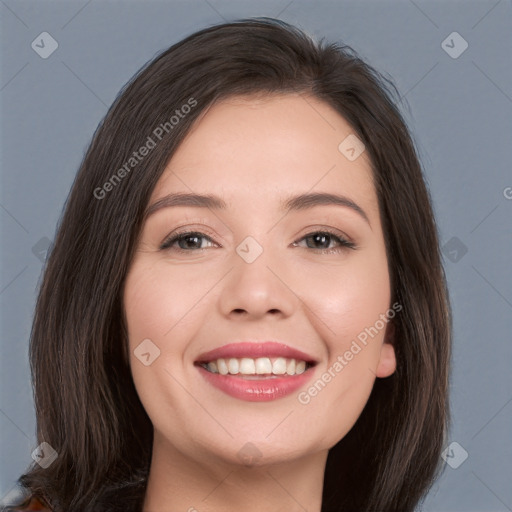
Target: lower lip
{"points": [[263, 390]]}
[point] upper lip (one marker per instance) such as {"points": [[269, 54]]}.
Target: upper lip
{"points": [[253, 350]]}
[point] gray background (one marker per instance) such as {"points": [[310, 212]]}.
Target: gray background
{"points": [[460, 114]]}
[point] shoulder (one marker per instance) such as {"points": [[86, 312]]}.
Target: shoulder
{"points": [[31, 505]]}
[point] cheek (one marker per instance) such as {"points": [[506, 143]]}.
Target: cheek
{"points": [[160, 301], [346, 299], [166, 304]]}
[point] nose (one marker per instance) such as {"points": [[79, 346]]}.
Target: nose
{"points": [[251, 290]]}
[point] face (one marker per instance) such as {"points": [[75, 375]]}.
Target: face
{"points": [[311, 277]]}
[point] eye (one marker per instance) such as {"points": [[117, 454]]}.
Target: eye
{"points": [[187, 241], [325, 237]]}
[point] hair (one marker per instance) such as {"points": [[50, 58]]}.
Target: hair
{"points": [[87, 407]]}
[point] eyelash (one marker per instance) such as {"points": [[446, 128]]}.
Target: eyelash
{"points": [[343, 242]]}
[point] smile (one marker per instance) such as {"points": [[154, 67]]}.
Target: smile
{"points": [[256, 372]]}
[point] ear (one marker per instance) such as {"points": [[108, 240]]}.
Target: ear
{"points": [[387, 359]]}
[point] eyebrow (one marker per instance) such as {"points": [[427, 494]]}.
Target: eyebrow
{"points": [[293, 203]]}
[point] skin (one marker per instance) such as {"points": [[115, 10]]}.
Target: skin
{"points": [[253, 152]]}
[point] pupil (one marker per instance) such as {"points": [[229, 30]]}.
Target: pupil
{"points": [[190, 237], [322, 237]]}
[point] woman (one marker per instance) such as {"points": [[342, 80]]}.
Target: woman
{"points": [[244, 307]]}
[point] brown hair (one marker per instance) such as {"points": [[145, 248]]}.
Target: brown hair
{"points": [[86, 404]]}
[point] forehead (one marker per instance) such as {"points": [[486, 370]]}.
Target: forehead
{"points": [[259, 149]]}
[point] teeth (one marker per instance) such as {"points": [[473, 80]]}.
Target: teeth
{"points": [[300, 367], [212, 367], [258, 366], [279, 366], [222, 366], [247, 366], [263, 365], [233, 366]]}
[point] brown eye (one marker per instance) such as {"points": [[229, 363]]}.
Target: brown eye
{"points": [[325, 238], [187, 242]]}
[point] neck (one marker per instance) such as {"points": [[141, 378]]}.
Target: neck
{"points": [[179, 483]]}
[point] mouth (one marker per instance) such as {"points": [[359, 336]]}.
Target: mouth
{"points": [[256, 371]]}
